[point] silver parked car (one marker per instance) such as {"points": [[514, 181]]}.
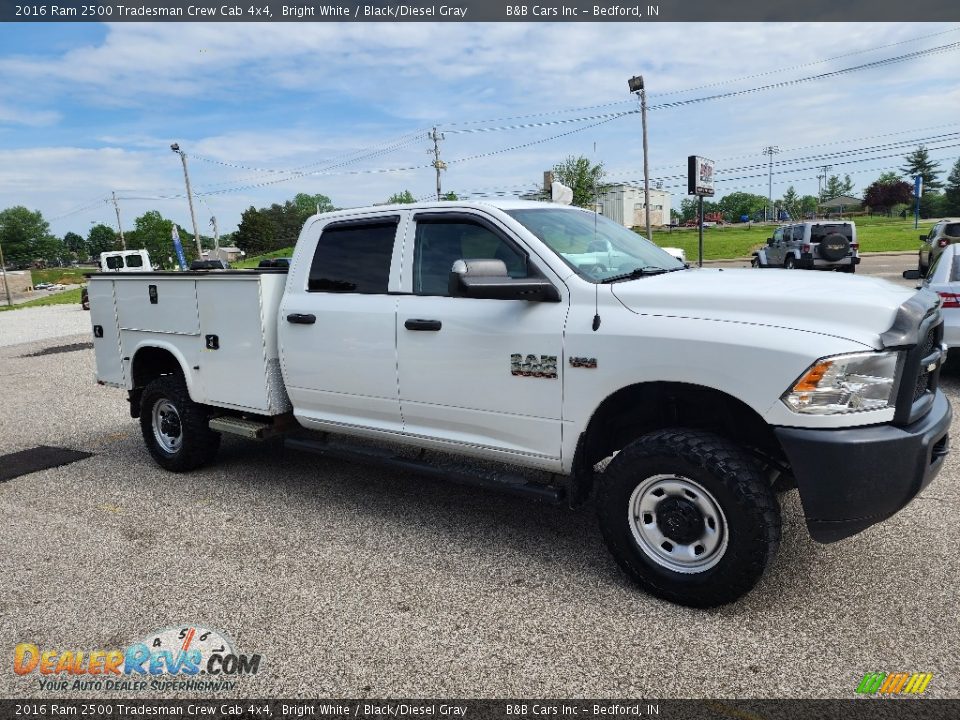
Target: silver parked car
{"points": [[814, 245], [944, 279], [945, 232]]}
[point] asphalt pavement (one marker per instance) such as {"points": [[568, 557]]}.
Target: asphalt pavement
{"points": [[357, 582]]}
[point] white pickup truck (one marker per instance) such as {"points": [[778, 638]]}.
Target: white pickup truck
{"points": [[675, 398]]}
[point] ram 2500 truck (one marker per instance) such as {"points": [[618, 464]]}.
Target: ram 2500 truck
{"points": [[559, 343]]}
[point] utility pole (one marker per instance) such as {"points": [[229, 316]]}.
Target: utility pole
{"points": [[193, 216], [820, 188], [770, 150], [636, 85], [123, 243], [437, 163], [216, 236], [3, 269]]}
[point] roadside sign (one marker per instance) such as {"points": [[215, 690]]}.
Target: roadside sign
{"points": [[699, 176]]}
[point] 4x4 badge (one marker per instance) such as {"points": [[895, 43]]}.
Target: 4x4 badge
{"points": [[544, 366], [583, 362]]}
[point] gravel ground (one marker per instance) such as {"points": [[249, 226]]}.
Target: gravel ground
{"points": [[356, 582], [41, 323]]}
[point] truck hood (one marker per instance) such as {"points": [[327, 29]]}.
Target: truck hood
{"points": [[845, 306]]}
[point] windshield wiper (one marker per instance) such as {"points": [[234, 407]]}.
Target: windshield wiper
{"points": [[639, 273]]}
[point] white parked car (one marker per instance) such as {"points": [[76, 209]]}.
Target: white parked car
{"points": [[944, 279], [125, 261], [678, 253]]}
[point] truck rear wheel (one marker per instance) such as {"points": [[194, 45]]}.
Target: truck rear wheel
{"points": [[174, 427], [689, 517]]}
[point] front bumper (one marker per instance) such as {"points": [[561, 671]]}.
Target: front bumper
{"points": [[853, 478]]}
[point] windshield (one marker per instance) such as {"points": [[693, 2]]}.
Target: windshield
{"points": [[596, 247]]}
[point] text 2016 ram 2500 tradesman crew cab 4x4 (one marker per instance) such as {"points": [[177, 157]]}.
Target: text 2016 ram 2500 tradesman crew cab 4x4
{"points": [[675, 397]]}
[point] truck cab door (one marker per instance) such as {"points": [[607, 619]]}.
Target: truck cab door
{"points": [[337, 325], [478, 374]]}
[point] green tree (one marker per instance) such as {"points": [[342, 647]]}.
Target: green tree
{"points": [[689, 208], [737, 204], [77, 245], [25, 236], [918, 163], [834, 187], [952, 192], [255, 234], [808, 205], [308, 205], [100, 239], [155, 236], [402, 198], [581, 176], [791, 203], [450, 195]]}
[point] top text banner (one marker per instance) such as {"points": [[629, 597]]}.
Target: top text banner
{"points": [[486, 11]]}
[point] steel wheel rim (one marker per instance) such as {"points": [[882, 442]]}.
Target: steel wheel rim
{"points": [[167, 429], [652, 533]]}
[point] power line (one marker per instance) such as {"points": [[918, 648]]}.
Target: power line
{"points": [[730, 81]]}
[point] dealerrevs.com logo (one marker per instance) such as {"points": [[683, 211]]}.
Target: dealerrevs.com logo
{"points": [[184, 657], [899, 683]]}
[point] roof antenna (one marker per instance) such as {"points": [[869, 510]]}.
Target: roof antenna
{"points": [[596, 308], [596, 213]]}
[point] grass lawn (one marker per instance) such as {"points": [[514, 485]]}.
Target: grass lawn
{"points": [[67, 297], [874, 234], [252, 262], [64, 276]]}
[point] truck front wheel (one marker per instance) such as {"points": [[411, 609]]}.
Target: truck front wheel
{"points": [[174, 427], [689, 517]]}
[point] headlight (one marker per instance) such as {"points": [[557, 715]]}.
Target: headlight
{"points": [[846, 383]]}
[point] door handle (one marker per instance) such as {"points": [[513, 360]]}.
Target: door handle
{"points": [[416, 324], [301, 319]]}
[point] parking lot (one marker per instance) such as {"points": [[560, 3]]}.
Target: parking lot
{"points": [[359, 582]]}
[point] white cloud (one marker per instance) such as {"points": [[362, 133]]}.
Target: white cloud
{"points": [[288, 95]]}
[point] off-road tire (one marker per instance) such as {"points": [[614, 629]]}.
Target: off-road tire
{"points": [[749, 506], [834, 247], [199, 443], [789, 263]]}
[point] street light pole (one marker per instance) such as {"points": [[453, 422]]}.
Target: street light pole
{"points": [[636, 86], [193, 216], [770, 150]]}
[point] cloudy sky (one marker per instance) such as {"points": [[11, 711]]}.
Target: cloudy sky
{"points": [[265, 111]]}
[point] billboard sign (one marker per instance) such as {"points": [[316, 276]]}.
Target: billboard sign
{"points": [[699, 176]]}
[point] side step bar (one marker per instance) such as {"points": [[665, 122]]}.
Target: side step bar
{"points": [[250, 429], [507, 482]]}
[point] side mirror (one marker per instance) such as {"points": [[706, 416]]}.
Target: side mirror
{"points": [[911, 274], [769, 241], [923, 237], [489, 280]]}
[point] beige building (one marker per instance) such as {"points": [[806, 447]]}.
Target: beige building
{"points": [[20, 282], [624, 204]]}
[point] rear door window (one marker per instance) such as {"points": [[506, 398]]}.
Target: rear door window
{"points": [[354, 257], [819, 232]]}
